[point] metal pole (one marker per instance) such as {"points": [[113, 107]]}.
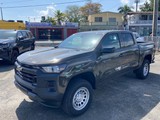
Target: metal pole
{"points": [[1, 13], [137, 1], [155, 18], [136, 6]]}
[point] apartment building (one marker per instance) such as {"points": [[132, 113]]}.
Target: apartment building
{"points": [[103, 21], [141, 22]]}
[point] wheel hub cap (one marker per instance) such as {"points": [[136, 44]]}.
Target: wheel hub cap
{"points": [[145, 69], [80, 98]]}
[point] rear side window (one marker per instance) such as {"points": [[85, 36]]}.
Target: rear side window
{"points": [[111, 41], [30, 34], [127, 39], [25, 35]]}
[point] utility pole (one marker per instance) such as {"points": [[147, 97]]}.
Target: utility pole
{"points": [[155, 18], [137, 1], [1, 11]]}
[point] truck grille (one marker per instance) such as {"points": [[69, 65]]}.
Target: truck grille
{"points": [[26, 73]]}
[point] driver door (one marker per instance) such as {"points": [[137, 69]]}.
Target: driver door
{"points": [[110, 62]]}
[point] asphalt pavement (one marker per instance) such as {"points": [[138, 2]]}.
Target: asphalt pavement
{"points": [[121, 98]]}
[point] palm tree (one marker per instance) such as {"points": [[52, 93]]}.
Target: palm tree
{"points": [[146, 7], [59, 16], [124, 9]]}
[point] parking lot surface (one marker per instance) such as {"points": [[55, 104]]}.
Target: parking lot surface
{"points": [[120, 98]]}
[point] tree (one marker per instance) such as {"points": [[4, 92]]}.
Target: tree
{"points": [[146, 7], [90, 8], [51, 20], [73, 13], [48, 20], [59, 16], [124, 9]]}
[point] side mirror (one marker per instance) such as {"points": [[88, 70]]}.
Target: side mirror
{"points": [[20, 38], [108, 50]]}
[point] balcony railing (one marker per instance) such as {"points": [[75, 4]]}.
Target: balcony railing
{"points": [[99, 23], [141, 22]]}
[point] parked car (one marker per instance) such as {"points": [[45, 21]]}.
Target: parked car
{"points": [[67, 75], [15, 42]]}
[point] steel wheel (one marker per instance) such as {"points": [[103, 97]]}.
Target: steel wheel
{"points": [[145, 69], [80, 98]]}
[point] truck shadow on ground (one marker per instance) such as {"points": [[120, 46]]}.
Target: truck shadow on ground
{"points": [[122, 98], [5, 66]]}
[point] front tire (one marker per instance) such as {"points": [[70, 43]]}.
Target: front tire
{"points": [[143, 71], [14, 56], [78, 97]]}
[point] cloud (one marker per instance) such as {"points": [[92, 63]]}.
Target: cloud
{"points": [[49, 11], [125, 1]]}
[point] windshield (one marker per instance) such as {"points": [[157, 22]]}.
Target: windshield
{"points": [[7, 35], [85, 41]]}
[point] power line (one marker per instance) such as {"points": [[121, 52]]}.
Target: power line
{"points": [[17, 1], [43, 4]]}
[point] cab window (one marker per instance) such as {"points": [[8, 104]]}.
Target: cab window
{"points": [[30, 35], [127, 39], [25, 35], [111, 41]]}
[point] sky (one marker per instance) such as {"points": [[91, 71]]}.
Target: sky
{"points": [[34, 14]]}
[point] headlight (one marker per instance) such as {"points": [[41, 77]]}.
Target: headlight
{"points": [[54, 69]]}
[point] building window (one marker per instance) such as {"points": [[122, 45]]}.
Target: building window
{"points": [[144, 17], [112, 19], [98, 19], [150, 17]]}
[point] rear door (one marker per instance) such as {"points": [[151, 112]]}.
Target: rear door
{"points": [[31, 39], [26, 41], [20, 42], [129, 50]]}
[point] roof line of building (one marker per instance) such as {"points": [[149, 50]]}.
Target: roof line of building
{"points": [[106, 12]]}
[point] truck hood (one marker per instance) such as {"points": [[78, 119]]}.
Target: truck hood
{"points": [[48, 56]]}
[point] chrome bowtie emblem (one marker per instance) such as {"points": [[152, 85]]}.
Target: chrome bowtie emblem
{"points": [[19, 68]]}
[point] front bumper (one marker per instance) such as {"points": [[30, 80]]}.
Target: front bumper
{"points": [[44, 91]]}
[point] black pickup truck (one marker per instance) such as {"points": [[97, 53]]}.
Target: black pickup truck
{"points": [[15, 42], [67, 74]]}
